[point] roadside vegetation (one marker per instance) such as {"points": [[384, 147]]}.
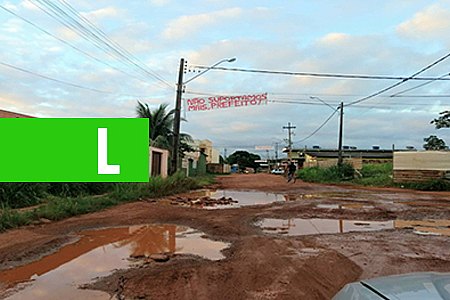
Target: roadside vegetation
{"points": [[63, 200], [378, 175]]}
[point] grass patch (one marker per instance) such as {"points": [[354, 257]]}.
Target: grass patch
{"points": [[375, 175], [57, 208], [10, 218], [370, 175], [327, 175]]}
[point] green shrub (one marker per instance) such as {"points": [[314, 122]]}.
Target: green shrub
{"points": [[330, 174], [57, 208], [10, 218], [376, 175], [75, 189], [21, 194], [431, 185]]}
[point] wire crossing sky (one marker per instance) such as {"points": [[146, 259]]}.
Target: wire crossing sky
{"points": [[385, 60]]}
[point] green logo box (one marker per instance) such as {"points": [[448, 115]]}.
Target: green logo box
{"points": [[74, 150]]}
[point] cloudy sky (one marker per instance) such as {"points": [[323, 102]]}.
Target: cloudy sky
{"points": [[51, 66]]}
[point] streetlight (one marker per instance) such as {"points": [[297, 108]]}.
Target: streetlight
{"points": [[230, 60], [341, 125], [177, 117], [317, 98]]}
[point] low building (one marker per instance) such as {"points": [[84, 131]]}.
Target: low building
{"points": [[194, 163], [328, 157], [218, 168], [158, 162], [421, 166], [206, 146]]}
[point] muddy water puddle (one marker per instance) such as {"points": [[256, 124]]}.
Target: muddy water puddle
{"points": [[98, 253], [345, 206], [221, 199], [320, 226], [296, 226]]}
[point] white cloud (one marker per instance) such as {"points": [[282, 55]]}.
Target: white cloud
{"points": [[10, 6], [105, 12], [159, 2], [188, 25], [334, 38], [29, 5], [431, 23]]}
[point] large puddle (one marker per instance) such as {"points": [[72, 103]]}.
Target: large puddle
{"points": [[220, 199], [98, 253], [295, 227]]}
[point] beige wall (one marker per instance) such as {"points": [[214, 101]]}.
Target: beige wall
{"points": [[422, 160], [311, 161], [213, 155]]}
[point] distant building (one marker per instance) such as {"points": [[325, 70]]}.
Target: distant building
{"points": [[206, 146], [158, 162], [328, 157]]}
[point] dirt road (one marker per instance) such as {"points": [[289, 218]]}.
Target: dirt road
{"points": [[276, 260]]}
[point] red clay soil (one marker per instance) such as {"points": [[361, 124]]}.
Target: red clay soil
{"points": [[260, 265]]}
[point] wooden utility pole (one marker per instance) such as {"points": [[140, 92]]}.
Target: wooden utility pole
{"points": [[289, 128], [341, 125], [177, 120]]}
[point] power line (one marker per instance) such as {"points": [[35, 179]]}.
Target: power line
{"points": [[90, 33], [417, 86], [324, 75], [62, 81], [412, 77], [105, 36], [320, 127], [70, 45], [423, 96]]}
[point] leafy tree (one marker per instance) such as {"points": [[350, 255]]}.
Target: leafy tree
{"points": [[161, 127], [443, 121], [434, 143], [244, 159]]}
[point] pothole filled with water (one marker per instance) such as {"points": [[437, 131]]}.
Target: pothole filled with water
{"points": [[220, 199], [295, 227], [345, 206], [98, 253], [320, 226]]}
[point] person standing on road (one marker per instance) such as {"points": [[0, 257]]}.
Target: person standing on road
{"points": [[291, 171]]}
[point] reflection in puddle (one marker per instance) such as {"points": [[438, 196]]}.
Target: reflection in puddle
{"points": [[245, 198], [321, 226], [331, 226], [428, 227], [345, 206], [98, 253]]}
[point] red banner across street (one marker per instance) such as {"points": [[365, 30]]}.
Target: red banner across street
{"points": [[219, 102]]}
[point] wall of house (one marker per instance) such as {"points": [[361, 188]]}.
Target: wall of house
{"points": [[420, 166], [329, 162], [218, 168], [163, 163]]}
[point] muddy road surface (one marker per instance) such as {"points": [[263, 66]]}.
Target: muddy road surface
{"points": [[250, 236]]}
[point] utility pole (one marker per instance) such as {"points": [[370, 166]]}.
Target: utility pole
{"points": [[276, 153], [177, 120], [289, 127], [341, 125]]}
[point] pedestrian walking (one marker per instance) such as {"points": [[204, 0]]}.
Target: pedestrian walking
{"points": [[291, 172]]}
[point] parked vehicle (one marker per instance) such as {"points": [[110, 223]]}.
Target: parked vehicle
{"points": [[412, 286], [277, 171]]}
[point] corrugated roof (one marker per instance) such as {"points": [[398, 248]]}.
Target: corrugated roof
{"points": [[10, 114]]}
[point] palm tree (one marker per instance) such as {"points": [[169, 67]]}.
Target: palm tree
{"points": [[161, 125]]}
